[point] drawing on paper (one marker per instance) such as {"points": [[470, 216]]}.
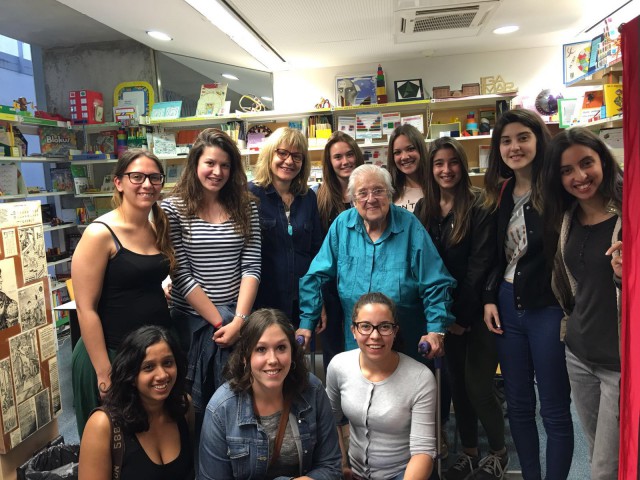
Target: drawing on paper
{"points": [[25, 363], [7, 400], [32, 306], [34, 260]]}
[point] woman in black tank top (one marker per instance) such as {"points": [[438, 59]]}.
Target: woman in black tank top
{"points": [[147, 405], [117, 271]]}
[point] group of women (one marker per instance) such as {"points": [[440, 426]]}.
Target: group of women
{"points": [[484, 268]]}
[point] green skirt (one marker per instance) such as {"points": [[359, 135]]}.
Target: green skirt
{"points": [[86, 395]]}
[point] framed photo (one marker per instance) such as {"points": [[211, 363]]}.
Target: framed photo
{"points": [[575, 60], [566, 108], [354, 90], [407, 90]]}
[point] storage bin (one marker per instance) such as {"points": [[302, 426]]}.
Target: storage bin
{"points": [[469, 89], [441, 92]]}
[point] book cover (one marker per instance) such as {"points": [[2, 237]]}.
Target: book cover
{"points": [[593, 99], [56, 141], [212, 97], [61, 179], [612, 99]]}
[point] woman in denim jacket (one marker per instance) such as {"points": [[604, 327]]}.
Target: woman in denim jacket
{"points": [[267, 375]]}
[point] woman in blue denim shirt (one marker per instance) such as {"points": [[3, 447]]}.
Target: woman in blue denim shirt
{"points": [[289, 220], [267, 376]]}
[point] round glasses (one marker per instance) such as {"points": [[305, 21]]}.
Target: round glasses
{"points": [[138, 178], [363, 195], [284, 154], [384, 329]]}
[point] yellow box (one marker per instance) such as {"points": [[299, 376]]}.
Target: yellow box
{"points": [[613, 99]]}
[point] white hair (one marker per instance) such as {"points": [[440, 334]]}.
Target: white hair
{"points": [[365, 170]]}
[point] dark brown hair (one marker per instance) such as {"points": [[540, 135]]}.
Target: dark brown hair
{"points": [[234, 196], [498, 170], [330, 197], [398, 178], [238, 368], [464, 195], [160, 220]]}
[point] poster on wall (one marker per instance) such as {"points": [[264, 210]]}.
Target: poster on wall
{"points": [[29, 385]]}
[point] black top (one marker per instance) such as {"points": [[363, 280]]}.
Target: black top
{"points": [[468, 261], [532, 279], [132, 293], [137, 465], [592, 327]]}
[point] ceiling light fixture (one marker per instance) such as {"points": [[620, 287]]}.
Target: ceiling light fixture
{"points": [[228, 21], [506, 30], [229, 76], [159, 35]]}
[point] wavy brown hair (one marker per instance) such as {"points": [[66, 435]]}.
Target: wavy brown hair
{"points": [[398, 178], [557, 200], [234, 196], [498, 170], [160, 220], [284, 137], [464, 193], [238, 368], [330, 197]]}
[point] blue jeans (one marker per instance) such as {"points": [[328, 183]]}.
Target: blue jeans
{"points": [[530, 351]]}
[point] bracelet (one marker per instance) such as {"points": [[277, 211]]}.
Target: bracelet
{"points": [[242, 316]]}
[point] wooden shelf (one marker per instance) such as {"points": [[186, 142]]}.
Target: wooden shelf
{"points": [[48, 228], [609, 122], [21, 159], [93, 162], [94, 195], [467, 102], [59, 262], [596, 78]]}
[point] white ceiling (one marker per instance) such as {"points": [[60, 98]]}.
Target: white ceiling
{"points": [[306, 33]]}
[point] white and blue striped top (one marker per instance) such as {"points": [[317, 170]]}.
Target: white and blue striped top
{"points": [[212, 256]]}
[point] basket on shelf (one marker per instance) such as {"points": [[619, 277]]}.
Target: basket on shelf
{"points": [[442, 92], [469, 89]]}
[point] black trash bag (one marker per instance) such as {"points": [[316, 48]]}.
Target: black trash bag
{"points": [[59, 462]]}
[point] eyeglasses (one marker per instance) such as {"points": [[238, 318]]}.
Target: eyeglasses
{"points": [[284, 154], [366, 328], [138, 178], [363, 195]]}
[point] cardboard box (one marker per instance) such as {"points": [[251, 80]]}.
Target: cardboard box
{"points": [[86, 106]]}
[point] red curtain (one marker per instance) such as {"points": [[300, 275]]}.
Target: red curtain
{"points": [[630, 332]]}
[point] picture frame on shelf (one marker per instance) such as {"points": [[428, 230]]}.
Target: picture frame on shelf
{"points": [[566, 109], [575, 60], [354, 90], [408, 90]]}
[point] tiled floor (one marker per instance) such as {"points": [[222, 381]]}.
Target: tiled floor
{"points": [[579, 466]]}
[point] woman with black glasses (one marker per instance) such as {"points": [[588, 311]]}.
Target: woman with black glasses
{"points": [[289, 219], [117, 272], [388, 398]]}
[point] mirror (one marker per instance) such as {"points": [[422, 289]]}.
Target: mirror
{"points": [[180, 78]]}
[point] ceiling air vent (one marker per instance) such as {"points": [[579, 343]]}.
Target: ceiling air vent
{"points": [[420, 20]]}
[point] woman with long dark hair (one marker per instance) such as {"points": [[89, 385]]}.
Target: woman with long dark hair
{"points": [[463, 231], [583, 200], [216, 236], [520, 307], [146, 403], [272, 419], [407, 163], [117, 273], [342, 155]]}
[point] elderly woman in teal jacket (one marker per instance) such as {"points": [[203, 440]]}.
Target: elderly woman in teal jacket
{"points": [[378, 247]]}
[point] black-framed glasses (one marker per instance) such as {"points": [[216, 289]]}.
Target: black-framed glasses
{"points": [[138, 178], [384, 329], [284, 154]]}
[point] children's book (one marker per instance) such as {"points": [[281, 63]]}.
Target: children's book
{"points": [[212, 97]]}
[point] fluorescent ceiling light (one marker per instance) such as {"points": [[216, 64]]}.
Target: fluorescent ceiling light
{"points": [[230, 24], [506, 30], [159, 35], [229, 76]]}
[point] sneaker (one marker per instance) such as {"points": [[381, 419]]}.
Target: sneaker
{"points": [[463, 468], [492, 467], [444, 445]]}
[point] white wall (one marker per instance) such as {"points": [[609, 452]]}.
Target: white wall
{"points": [[531, 70]]}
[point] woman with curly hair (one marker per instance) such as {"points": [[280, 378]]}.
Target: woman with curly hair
{"points": [[289, 220], [147, 403], [272, 419], [216, 237], [407, 164], [117, 272]]}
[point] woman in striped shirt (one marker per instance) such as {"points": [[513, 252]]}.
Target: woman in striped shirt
{"points": [[215, 232]]}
